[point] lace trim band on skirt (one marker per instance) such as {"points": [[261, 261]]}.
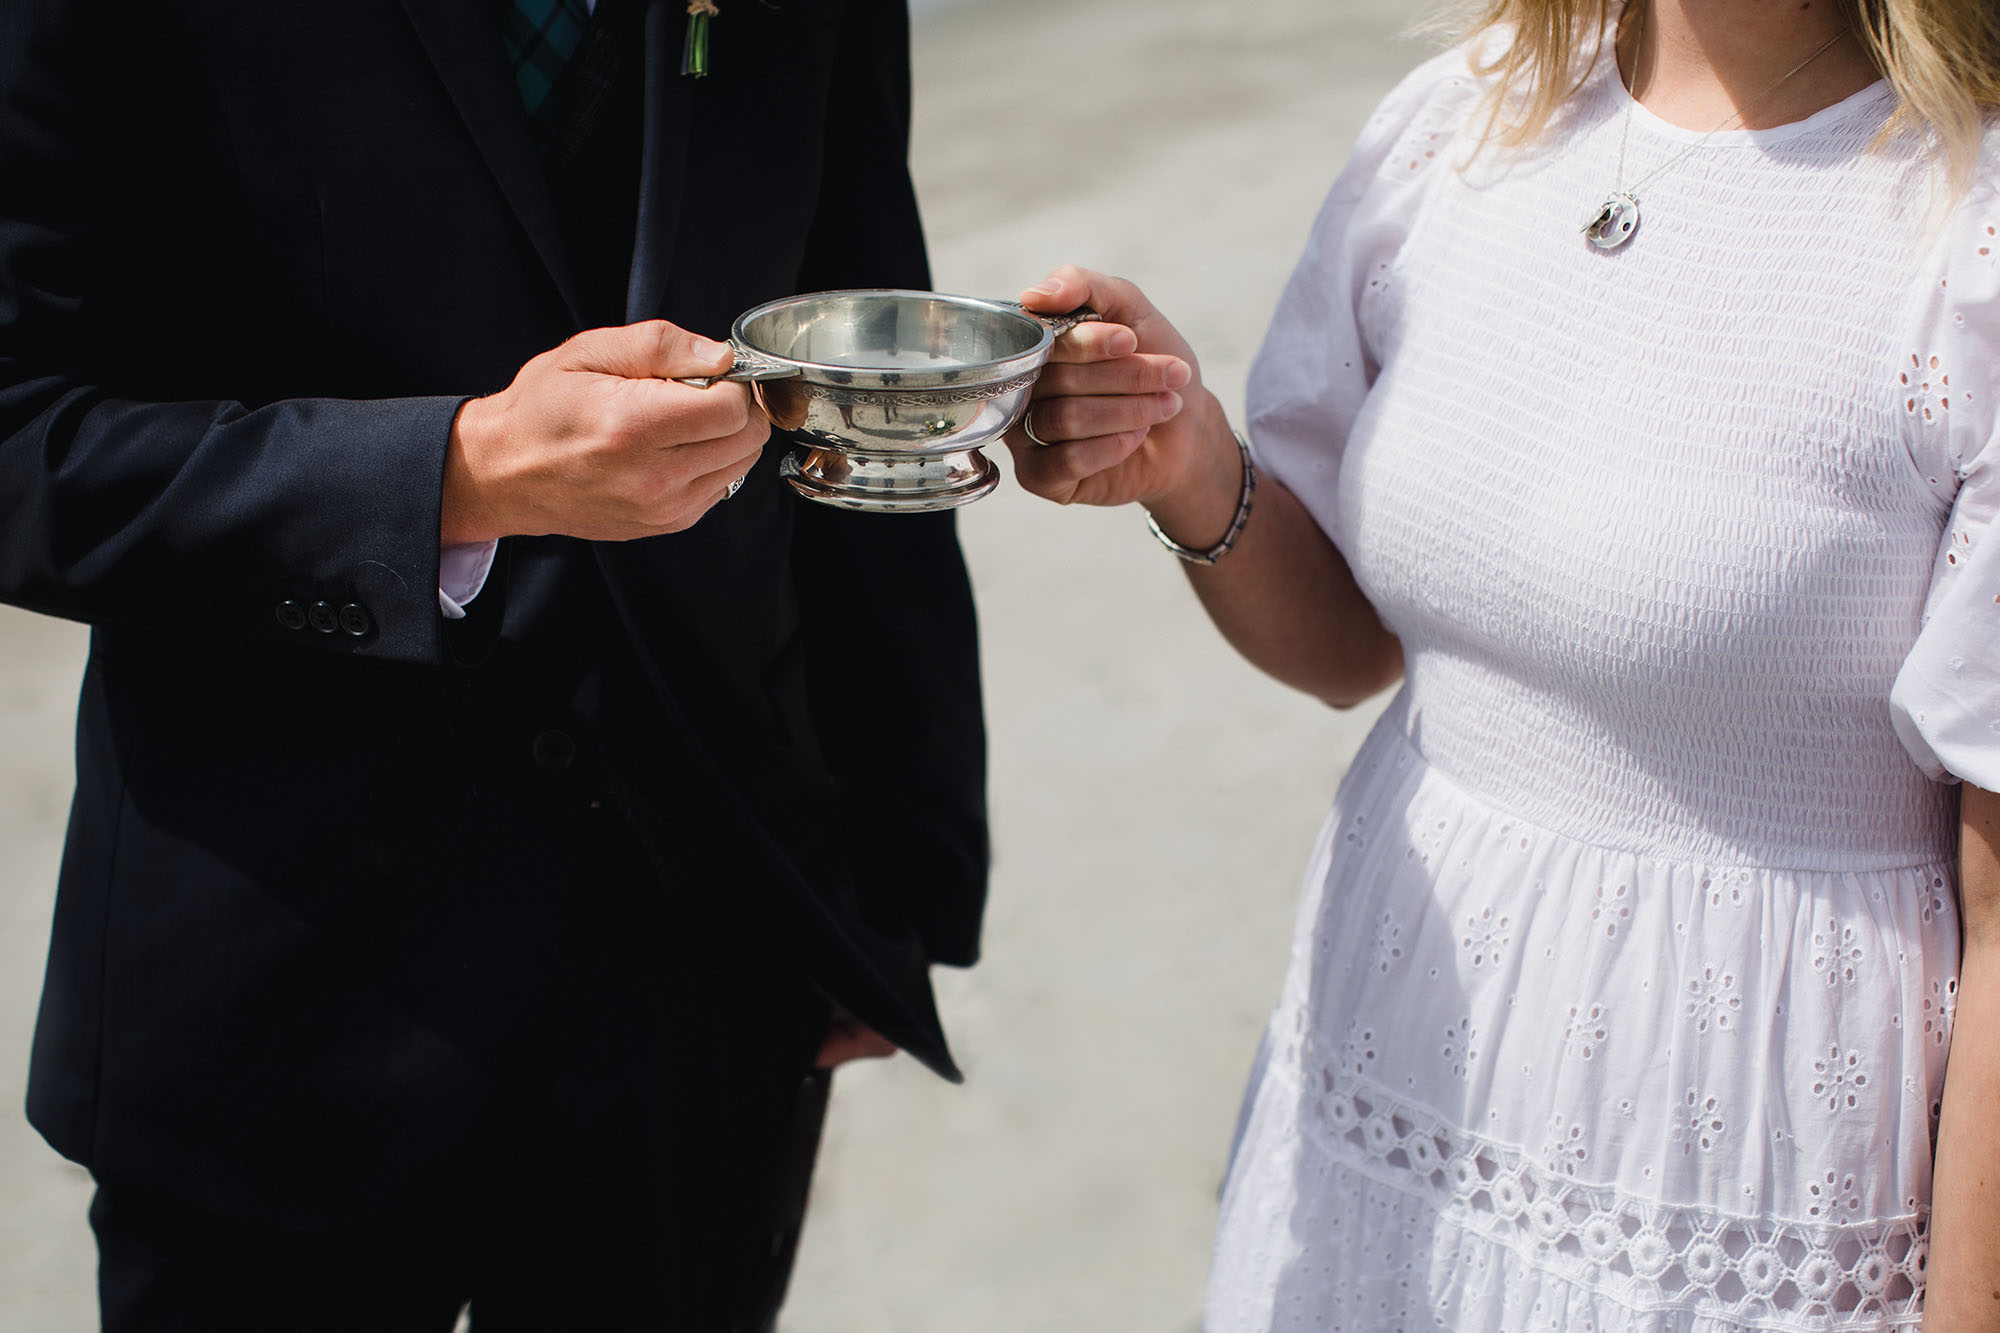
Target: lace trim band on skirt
{"points": [[1645, 1255]]}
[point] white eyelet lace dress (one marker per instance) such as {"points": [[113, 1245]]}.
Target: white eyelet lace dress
{"points": [[1624, 973]]}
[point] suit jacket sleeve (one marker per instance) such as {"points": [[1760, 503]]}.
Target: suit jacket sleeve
{"points": [[886, 598], [124, 497]]}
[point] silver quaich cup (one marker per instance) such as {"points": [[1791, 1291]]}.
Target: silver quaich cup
{"points": [[893, 392]]}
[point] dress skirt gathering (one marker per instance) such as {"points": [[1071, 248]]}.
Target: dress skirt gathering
{"points": [[1519, 1082]]}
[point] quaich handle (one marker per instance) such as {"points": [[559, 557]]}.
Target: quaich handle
{"points": [[751, 364], [1059, 324]]}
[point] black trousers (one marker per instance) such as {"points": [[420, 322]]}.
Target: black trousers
{"points": [[645, 1167], [573, 1244]]}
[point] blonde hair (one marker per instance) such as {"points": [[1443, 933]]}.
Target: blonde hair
{"points": [[1942, 57]]}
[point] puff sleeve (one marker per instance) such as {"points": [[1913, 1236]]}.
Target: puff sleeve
{"points": [[1318, 357], [1946, 698]]}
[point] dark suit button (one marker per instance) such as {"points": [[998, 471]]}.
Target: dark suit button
{"points": [[354, 618], [322, 617], [555, 750], [292, 615]]}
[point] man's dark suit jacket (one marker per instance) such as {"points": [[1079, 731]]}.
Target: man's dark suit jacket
{"points": [[253, 257]]}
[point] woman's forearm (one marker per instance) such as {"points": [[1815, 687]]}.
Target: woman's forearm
{"points": [[1284, 596], [1963, 1293]]}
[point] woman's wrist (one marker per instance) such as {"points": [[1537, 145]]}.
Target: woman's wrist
{"points": [[1200, 511]]}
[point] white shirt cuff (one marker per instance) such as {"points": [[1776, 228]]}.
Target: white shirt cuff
{"points": [[462, 572]]}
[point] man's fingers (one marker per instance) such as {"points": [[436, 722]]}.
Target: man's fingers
{"points": [[654, 349], [671, 414], [687, 462], [847, 1039], [729, 456], [670, 489], [722, 480]]}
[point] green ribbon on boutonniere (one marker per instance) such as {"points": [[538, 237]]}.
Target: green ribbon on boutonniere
{"points": [[694, 55]]}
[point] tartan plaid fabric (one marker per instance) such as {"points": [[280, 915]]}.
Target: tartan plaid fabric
{"points": [[541, 37]]}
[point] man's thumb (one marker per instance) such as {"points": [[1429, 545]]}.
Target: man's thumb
{"points": [[655, 349]]}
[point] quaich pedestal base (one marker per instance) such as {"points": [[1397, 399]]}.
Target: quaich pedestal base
{"points": [[886, 484]]}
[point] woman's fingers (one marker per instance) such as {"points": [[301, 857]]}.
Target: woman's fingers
{"points": [[1094, 340], [1145, 373], [1115, 299], [1058, 420], [1077, 440], [1117, 302], [1108, 387], [1055, 473], [1063, 290]]}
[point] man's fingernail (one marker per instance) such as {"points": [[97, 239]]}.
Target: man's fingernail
{"points": [[1173, 404], [1046, 287], [1178, 374], [1124, 342], [708, 349]]}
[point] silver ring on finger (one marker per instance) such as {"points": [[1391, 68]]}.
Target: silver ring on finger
{"points": [[735, 485], [1028, 428]]}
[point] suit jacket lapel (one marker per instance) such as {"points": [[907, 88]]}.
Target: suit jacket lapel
{"points": [[663, 162], [465, 46]]}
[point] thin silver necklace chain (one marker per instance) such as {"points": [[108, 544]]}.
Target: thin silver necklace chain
{"points": [[1730, 119], [1618, 216]]}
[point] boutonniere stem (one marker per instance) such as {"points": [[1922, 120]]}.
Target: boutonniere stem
{"points": [[694, 56]]}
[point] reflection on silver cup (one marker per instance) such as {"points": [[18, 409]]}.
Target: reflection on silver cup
{"points": [[896, 391]]}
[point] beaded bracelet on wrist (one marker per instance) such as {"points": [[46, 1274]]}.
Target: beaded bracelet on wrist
{"points": [[1221, 548]]}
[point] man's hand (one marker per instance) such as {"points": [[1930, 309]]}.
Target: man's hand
{"points": [[594, 440], [847, 1040]]}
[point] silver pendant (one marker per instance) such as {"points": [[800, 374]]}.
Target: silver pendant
{"points": [[1614, 222]]}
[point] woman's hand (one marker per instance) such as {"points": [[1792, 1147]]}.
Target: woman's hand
{"points": [[1122, 414], [1125, 418]]}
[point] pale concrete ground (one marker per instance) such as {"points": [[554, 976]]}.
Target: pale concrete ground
{"points": [[1154, 799]]}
